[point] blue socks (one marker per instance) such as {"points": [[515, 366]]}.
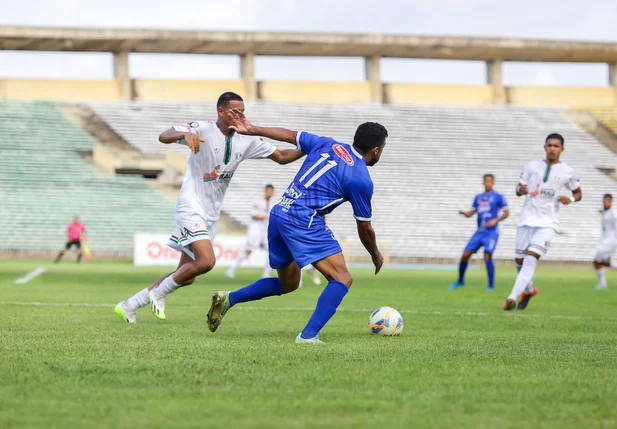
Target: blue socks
{"points": [[328, 302], [462, 267], [262, 288], [490, 269]]}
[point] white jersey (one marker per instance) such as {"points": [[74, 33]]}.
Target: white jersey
{"points": [[609, 224], [545, 183], [261, 207], [210, 171]]}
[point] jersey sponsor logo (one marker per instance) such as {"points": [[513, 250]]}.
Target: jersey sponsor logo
{"points": [[213, 175], [286, 203], [343, 154], [226, 176], [193, 124], [547, 193], [293, 192], [291, 195], [484, 207]]}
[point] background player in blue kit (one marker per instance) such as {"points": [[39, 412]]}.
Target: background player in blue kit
{"points": [[332, 173], [492, 208]]}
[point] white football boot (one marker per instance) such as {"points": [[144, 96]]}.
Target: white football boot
{"points": [[314, 340]]}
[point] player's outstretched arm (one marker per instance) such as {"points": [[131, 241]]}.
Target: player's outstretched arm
{"points": [[469, 213], [193, 141], [285, 156], [369, 240], [243, 126]]}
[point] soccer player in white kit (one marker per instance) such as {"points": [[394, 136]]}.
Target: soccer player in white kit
{"points": [[217, 150], [257, 237], [545, 184], [608, 243]]}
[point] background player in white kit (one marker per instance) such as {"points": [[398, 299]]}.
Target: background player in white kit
{"points": [[257, 238], [543, 183], [608, 243], [210, 169]]}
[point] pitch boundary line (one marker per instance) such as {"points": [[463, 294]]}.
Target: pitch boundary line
{"points": [[345, 310], [30, 276]]}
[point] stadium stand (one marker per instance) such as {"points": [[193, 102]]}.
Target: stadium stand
{"points": [[47, 180], [606, 115], [431, 168]]}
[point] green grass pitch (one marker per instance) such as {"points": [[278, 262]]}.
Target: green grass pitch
{"points": [[461, 362]]}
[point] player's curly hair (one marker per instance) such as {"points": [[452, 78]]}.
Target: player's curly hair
{"points": [[369, 135]]}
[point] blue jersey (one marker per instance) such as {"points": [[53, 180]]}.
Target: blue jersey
{"points": [[488, 205], [332, 173]]}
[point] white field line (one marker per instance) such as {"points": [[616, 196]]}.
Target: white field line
{"points": [[31, 275], [347, 310]]}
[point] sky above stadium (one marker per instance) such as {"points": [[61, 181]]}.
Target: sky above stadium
{"points": [[591, 20]]}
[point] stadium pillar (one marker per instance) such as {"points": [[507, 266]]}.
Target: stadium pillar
{"points": [[122, 75], [612, 79], [373, 76], [247, 71], [494, 78]]}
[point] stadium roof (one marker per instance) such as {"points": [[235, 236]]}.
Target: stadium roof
{"points": [[302, 44]]}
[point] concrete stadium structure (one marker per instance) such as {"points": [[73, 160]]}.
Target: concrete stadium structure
{"points": [[248, 45]]}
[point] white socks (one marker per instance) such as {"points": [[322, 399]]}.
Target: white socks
{"points": [[524, 278], [140, 299], [601, 273], [529, 288], [267, 270], [237, 263], [167, 286]]}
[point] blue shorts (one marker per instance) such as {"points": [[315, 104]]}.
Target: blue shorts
{"points": [[288, 242], [486, 239]]}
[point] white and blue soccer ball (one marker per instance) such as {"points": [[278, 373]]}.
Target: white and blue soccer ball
{"points": [[386, 321]]}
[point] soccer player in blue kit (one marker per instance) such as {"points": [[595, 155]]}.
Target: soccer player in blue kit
{"points": [[332, 173], [492, 208]]}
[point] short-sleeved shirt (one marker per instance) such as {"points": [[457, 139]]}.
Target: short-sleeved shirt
{"points": [[75, 230], [331, 174], [488, 205], [545, 183], [609, 224], [261, 207], [210, 171]]}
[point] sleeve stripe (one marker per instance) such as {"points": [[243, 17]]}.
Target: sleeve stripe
{"points": [[298, 134], [362, 219]]}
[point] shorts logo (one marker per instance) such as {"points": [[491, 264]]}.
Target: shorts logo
{"points": [[343, 154], [213, 175]]}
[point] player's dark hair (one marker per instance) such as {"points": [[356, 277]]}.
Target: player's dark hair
{"points": [[555, 136], [368, 136], [269, 187], [488, 175], [226, 97], [608, 196]]}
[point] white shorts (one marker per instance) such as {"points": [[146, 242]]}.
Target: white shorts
{"points": [[191, 227], [257, 239], [605, 250], [533, 239]]}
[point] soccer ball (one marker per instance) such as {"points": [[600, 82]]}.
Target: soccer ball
{"points": [[386, 321]]}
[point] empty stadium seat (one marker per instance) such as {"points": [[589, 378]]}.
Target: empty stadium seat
{"points": [[46, 182], [431, 168]]}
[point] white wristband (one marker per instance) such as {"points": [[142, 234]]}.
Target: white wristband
{"points": [[572, 199]]}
